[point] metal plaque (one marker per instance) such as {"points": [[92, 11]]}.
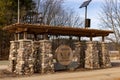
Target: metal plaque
{"points": [[64, 54]]}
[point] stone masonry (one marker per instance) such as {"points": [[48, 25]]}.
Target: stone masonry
{"points": [[47, 65], [91, 56], [82, 54], [37, 56], [77, 52], [28, 57], [24, 58], [12, 56], [105, 56]]}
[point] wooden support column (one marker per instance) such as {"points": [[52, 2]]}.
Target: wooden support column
{"points": [[79, 38], [16, 36], [70, 37], [25, 35], [103, 39], [91, 38], [46, 36]]}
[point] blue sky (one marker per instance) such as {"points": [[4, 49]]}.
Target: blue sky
{"points": [[94, 9]]}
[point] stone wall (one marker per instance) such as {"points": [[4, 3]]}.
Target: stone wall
{"points": [[13, 55], [76, 54], [37, 56], [105, 56], [25, 57], [47, 65], [83, 47], [91, 56], [28, 57]]}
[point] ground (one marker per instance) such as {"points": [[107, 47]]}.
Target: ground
{"points": [[102, 74]]}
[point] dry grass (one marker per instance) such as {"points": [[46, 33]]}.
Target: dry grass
{"points": [[4, 62]]}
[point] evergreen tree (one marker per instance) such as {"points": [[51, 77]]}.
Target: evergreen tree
{"points": [[8, 10]]}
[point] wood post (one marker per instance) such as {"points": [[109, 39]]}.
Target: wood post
{"points": [[18, 34], [91, 38], [45, 36], [79, 38], [25, 35], [103, 39], [15, 36]]}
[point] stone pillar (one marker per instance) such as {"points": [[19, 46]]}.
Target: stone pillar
{"points": [[14, 45], [47, 65], [25, 58], [37, 56], [99, 48], [91, 56], [105, 56], [76, 53], [82, 54]]}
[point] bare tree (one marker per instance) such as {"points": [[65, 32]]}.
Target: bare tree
{"points": [[54, 13], [110, 19], [67, 19]]}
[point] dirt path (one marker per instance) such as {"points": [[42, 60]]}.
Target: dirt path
{"points": [[104, 74]]}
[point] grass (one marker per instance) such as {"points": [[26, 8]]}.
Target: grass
{"points": [[4, 62]]}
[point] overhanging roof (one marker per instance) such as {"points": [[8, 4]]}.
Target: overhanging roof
{"points": [[56, 30]]}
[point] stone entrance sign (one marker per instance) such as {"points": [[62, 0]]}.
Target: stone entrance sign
{"points": [[64, 55]]}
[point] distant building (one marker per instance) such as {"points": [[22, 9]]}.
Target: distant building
{"points": [[114, 55]]}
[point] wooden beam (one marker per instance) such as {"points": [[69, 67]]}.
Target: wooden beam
{"points": [[19, 30], [56, 30]]}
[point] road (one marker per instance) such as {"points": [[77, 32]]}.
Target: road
{"points": [[102, 74]]}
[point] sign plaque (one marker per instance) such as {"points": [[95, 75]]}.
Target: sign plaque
{"points": [[64, 54]]}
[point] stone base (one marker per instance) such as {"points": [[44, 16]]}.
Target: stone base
{"points": [[47, 65], [91, 56], [28, 57], [13, 55], [25, 57], [105, 56], [37, 56]]}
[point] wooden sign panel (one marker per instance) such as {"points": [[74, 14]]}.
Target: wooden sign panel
{"points": [[64, 54]]}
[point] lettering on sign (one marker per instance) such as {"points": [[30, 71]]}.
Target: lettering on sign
{"points": [[64, 54]]}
